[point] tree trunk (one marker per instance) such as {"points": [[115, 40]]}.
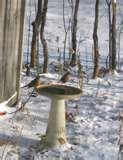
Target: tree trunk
{"points": [[110, 39], [12, 15], [36, 28], [43, 40], [33, 47], [110, 33], [95, 40], [66, 33], [74, 32], [114, 35]]}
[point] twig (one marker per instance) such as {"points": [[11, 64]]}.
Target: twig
{"points": [[23, 104], [4, 149]]}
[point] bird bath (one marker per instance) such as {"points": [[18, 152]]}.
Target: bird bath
{"points": [[56, 130]]}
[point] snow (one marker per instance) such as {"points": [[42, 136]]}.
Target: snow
{"points": [[93, 131], [92, 135]]}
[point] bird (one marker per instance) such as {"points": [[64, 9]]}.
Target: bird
{"points": [[65, 77], [34, 83]]}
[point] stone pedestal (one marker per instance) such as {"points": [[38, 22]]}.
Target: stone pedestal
{"points": [[56, 128], [56, 131]]}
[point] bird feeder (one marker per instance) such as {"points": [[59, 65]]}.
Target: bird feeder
{"points": [[11, 36], [56, 130]]}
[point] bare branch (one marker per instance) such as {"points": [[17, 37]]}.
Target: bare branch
{"points": [[108, 2]]}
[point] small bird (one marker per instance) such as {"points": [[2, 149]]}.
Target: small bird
{"points": [[34, 83], [65, 77]]}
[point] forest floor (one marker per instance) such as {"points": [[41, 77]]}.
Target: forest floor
{"points": [[93, 133]]}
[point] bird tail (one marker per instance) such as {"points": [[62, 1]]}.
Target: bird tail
{"points": [[25, 86]]}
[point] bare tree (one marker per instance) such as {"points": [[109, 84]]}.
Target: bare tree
{"points": [[110, 33], [43, 40], [74, 32], [66, 29], [113, 34], [36, 29], [95, 41]]}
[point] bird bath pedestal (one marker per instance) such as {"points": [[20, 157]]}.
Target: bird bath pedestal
{"points": [[56, 129]]}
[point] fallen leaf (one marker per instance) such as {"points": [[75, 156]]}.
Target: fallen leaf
{"points": [[61, 140], [2, 113]]}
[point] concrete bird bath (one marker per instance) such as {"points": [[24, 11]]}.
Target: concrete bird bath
{"points": [[56, 131]]}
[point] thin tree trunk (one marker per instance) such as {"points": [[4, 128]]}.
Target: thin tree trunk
{"points": [[114, 35], [33, 48], [110, 38], [95, 40], [110, 33], [74, 32], [36, 28], [43, 40], [65, 30]]}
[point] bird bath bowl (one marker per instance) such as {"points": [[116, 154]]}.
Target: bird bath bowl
{"points": [[56, 131]]}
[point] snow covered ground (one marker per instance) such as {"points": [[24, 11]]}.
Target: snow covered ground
{"points": [[93, 131]]}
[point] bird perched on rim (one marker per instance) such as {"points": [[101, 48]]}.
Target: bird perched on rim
{"points": [[65, 77], [34, 83]]}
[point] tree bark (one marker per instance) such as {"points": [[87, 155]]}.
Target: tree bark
{"points": [[95, 41], [113, 35], [36, 29], [66, 32], [33, 48], [43, 40], [110, 38], [110, 33], [74, 32]]}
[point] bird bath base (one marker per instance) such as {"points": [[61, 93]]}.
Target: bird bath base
{"points": [[56, 129], [56, 123]]}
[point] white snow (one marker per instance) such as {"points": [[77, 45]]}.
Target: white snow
{"points": [[93, 135]]}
